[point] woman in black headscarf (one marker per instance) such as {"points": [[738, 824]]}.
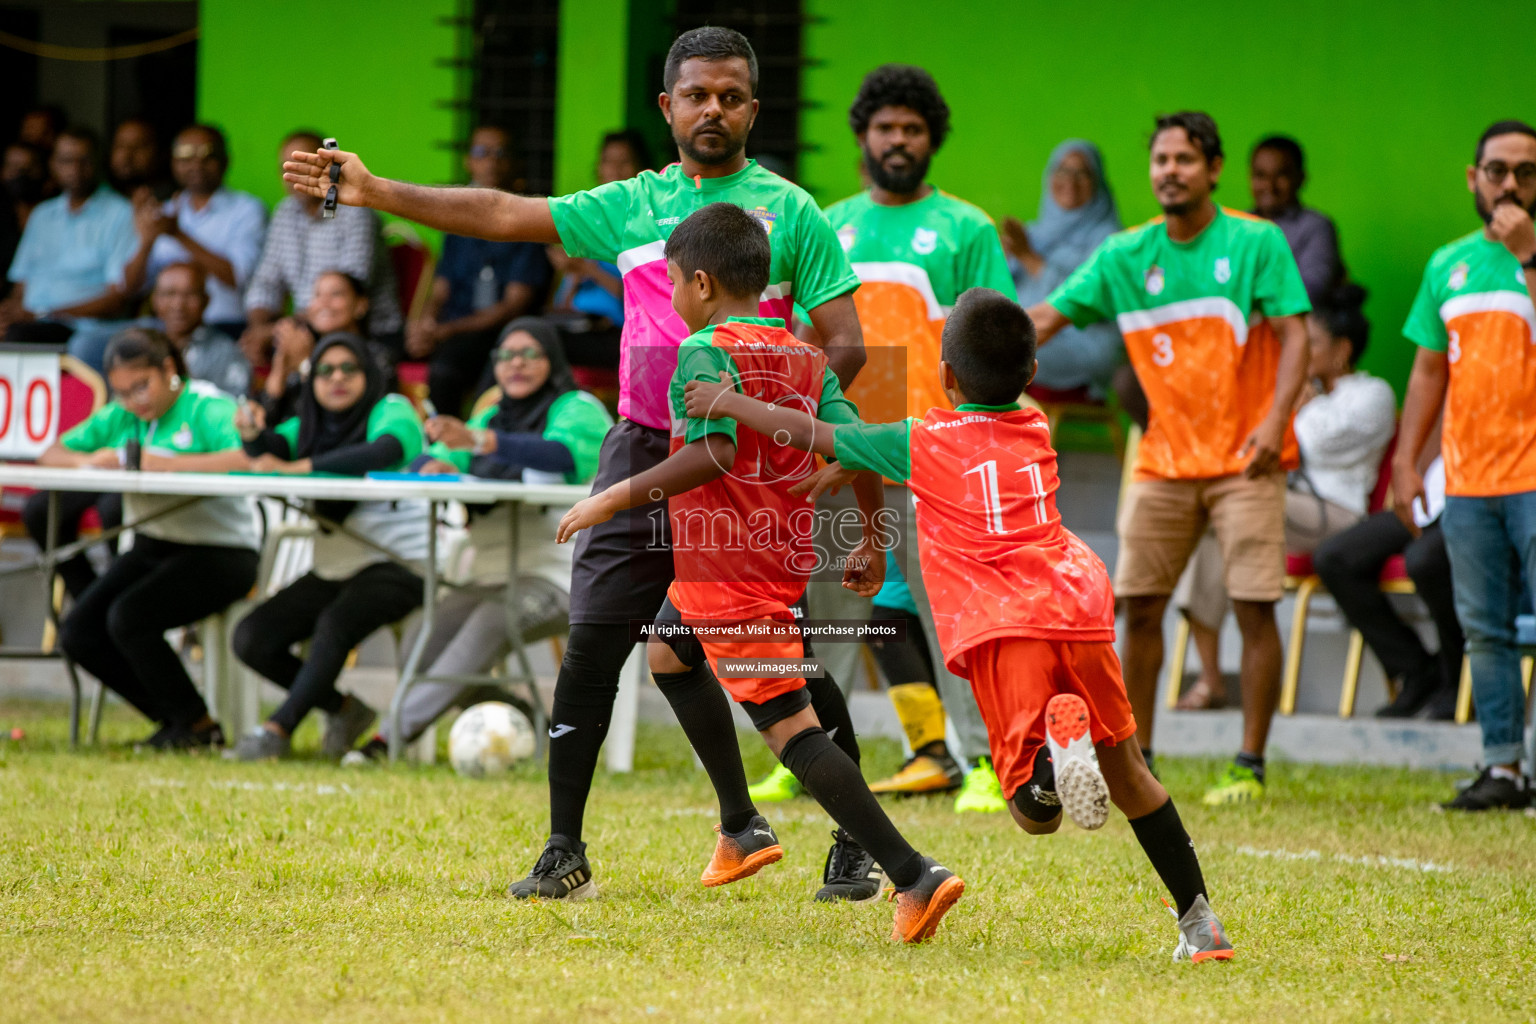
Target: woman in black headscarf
{"points": [[346, 425], [537, 427]]}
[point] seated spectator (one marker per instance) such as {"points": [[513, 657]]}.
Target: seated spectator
{"points": [[68, 268], [1350, 564], [339, 306], [24, 175], [479, 287], [180, 300], [1345, 420], [41, 127], [207, 355], [542, 429], [23, 181], [1276, 172], [589, 305], [622, 155], [346, 424], [1077, 212], [135, 164], [205, 223], [301, 245], [183, 566]]}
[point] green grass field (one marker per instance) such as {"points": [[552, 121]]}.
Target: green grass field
{"points": [[166, 888]]}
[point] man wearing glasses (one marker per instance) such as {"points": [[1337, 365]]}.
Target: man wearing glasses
{"points": [[1474, 324], [480, 287], [216, 228]]}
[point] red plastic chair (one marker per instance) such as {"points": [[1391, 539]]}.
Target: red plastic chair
{"points": [[1078, 405], [1300, 577], [414, 267]]}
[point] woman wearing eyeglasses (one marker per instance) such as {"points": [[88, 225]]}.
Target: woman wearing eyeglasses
{"points": [[346, 425], [185, 565], [539, 429], [339, 305]]}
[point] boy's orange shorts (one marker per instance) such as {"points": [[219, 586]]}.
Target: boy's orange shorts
{"points": [[1015, 677], [783, 641], [754, 626]]}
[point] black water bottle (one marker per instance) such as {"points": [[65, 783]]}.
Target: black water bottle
{"points": [[131, 454]]}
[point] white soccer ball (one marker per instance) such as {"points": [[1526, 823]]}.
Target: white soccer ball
{"points": [[488, 738]]}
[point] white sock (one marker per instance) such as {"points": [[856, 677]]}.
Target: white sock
{"points": [[1498, 771]]}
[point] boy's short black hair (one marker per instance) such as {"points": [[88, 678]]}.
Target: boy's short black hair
{"points": [[709, 43], [728, 244], [901, 85], [989, 341]]}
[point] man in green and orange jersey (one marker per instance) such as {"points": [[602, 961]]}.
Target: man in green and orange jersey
{"points": [[1182, 289], [915, 249], [1474, 323]]}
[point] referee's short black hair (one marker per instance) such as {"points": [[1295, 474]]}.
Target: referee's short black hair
{"points": [[728, 244], [1198, 125], [989, 341], [901, 85], [711, 43]]}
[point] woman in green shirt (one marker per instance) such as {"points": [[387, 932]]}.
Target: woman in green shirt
{"points": [[346, 425], [184, 566], [540, 429]]}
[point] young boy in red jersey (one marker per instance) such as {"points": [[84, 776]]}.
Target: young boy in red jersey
{"points": [[1023, 608], [743, 551]]}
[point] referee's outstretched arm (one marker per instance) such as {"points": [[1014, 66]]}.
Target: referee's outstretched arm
{"points": [[475, 212]]}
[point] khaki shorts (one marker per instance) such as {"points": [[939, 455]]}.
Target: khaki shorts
{"points": [[1161, 521]]}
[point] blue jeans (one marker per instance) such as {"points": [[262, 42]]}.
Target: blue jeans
{"points": [[1490, 541]]}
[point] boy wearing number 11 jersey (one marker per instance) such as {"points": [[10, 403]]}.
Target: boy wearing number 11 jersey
{"points": [[1023, 608]]}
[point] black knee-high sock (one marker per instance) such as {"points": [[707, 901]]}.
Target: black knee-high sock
{"points": [[704, 713], [832, 712], [1172, 854], [579, 719], [834, 780]]}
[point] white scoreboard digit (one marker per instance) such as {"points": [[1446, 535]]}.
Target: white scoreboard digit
{"points": [[29, 403]]}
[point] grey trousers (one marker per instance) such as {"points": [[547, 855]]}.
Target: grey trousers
{"points": [[469, 638], [827, 599]]}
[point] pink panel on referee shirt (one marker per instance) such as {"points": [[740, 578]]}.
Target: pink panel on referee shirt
{"points": [[652, 333]]}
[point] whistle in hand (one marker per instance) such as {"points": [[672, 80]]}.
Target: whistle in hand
{"points": [[328, 211]]}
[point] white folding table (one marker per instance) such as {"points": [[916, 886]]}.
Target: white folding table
{"points": [[434, 491]]}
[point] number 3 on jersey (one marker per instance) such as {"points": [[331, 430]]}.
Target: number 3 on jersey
{"points": [[1162, 349], [992, 499]]}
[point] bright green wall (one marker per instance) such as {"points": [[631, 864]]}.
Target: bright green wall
{"points": [[590, 90], [1387, 99], [364, 72]]}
